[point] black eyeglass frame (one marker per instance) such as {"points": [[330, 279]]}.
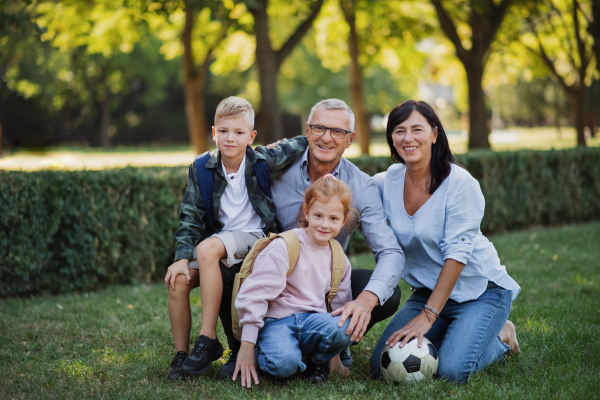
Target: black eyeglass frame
{"points": [[343, 132]]}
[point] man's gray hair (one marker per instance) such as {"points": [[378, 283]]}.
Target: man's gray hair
{"points": [[333, 104]]}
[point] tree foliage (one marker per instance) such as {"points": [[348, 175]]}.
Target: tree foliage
{"points": [[559, 36]]}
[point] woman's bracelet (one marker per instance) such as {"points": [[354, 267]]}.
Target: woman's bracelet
{"points": [[426, 307], [428, 313]]}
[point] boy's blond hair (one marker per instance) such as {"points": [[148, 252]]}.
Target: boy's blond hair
{"points": [[234, 107]]}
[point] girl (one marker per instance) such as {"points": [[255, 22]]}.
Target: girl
{"points": [[286, 319]]}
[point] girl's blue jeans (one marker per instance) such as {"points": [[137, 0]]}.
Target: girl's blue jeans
{"points": [[283, 341], [465, 334]]}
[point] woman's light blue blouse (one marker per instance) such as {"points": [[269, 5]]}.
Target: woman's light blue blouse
{"points": [[446, 226]]}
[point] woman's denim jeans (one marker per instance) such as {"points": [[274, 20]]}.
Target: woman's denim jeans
{"points": [[283, 341], [465, 334]]}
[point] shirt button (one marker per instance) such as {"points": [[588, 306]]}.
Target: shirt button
{"points": [[463, 239]]}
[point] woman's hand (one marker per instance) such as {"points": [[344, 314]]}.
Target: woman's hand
{"points": [[246, 365], [416, 327]]}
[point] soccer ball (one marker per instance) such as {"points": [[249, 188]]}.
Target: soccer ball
{"points": [[409, 363]]}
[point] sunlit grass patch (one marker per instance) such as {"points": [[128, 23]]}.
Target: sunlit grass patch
{"points": [[538, 325]]}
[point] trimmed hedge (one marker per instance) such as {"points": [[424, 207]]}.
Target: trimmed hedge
{"points": [[67, 231]]}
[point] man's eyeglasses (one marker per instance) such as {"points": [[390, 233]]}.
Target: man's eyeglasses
{"points": [[336, 133]]}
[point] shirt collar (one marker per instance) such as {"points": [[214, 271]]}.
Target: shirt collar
{"points": [[240, 170]]}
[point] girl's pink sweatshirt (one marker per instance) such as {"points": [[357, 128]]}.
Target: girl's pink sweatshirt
{"points": [[266, 293]]}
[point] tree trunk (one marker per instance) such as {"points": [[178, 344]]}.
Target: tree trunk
{"points": [[594, 30], [2, 85], [105, 115], [478, 121], [356, 84], [194, 111], [577, 100], [270, 124], [194, 88], [485, 19]]}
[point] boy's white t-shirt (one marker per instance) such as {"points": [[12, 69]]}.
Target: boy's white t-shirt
{"points": [[235, 210]]}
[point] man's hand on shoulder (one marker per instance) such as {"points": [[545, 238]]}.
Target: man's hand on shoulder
{"points": [[272, 145], [360, 312]]}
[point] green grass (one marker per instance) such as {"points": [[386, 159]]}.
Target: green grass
{"points": [[117, 344]]}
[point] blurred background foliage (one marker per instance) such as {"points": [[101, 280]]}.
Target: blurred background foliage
{"points": [[132, 72]]}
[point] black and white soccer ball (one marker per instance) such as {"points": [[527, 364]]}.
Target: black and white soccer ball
{"points": [[409, 363]]}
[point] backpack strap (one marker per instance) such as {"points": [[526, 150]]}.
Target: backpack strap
{"points": [[205, 183], [261, 170], [338, 265], [293, 245]]}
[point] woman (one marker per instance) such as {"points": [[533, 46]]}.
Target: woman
{"points": [[462, 294]]}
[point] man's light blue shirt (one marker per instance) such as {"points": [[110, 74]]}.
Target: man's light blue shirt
{"points": [[288, 194]]}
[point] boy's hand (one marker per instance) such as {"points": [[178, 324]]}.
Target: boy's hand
{"points": [[246, 365], [178, 267]]}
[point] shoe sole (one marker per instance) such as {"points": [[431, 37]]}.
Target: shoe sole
{"points": [[205, 369]]}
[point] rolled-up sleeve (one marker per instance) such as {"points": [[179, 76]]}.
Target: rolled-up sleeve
{"points": [[381, 240], [464, 211]]}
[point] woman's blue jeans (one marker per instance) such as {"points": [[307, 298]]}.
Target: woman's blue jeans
{"points": [[465, 334], [283, 341]]}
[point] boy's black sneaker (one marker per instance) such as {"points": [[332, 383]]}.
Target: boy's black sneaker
{"points": [[205, 351], [316, 374], [229, 367], [176, 372]]}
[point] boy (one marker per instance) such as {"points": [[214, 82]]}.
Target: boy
{"points": [[245, 214]]}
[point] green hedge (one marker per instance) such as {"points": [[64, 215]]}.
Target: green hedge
{"points": [[68, 231]]}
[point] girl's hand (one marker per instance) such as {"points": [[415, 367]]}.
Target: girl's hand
{"points": [[246, 365], [416, 327]]}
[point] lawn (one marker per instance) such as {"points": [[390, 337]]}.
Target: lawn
{"points": [[116, 343]]}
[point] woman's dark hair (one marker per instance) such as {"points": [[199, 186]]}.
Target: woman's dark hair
{"points": [[441, 157]]}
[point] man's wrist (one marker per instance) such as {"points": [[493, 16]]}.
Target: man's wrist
{"points": [[368, 298]]}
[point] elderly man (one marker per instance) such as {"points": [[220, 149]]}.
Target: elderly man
{"points": [[330, 131]]}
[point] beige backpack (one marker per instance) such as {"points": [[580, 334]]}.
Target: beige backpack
{"points": [[293, 244]]}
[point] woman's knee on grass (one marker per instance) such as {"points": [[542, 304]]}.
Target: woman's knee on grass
{"points": [[209, 252], [456, 371]]}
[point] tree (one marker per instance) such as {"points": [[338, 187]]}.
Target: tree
{"points": [[482, 19], [195, 76], [559, 36], [95, 35], [269, 63], [17, 25], [356, 78], [379, 37], [594, 29], [199, 31]]}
